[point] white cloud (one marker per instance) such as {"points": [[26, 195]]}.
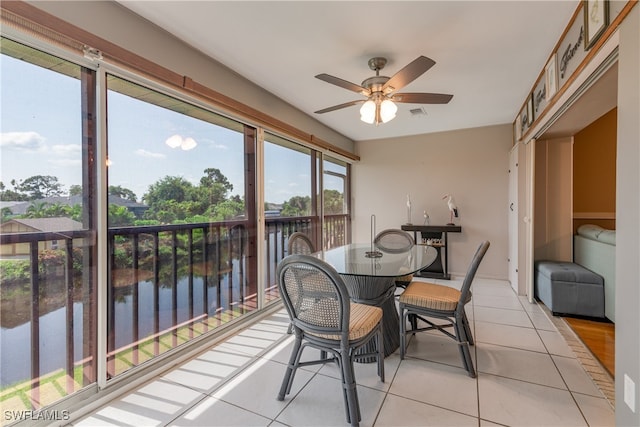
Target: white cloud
{"points": [[188, 144], [293, 184], [66, 162], [213, 144], [28, 141], [144, 153], [284, 193], [66, 149], [176, 141]]}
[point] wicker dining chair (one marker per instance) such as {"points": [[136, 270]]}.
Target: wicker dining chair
{"points": [[396, 240], [324, 318], [300, 243], [421, 300]]}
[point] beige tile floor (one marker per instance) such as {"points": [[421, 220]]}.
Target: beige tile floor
{"points": [[527, 376]]}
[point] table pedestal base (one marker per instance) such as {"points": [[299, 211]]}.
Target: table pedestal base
{"points": [[377, 291]]}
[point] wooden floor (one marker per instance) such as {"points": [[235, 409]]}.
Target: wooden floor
{"points": [[599, 337]]}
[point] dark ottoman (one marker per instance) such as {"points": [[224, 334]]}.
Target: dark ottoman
{"points": [[568, 288]]}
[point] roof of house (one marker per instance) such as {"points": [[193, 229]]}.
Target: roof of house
{"points": [[20, 208], [48, 224]]}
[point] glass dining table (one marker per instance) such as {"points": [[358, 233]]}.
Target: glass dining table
{"points": [[369, 272]]}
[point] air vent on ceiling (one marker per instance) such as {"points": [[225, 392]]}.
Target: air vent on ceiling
{"points": [[417, 112]]}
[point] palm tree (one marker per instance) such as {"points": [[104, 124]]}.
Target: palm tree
{"points": [[57, 210], [6, 213], [36, 210]]}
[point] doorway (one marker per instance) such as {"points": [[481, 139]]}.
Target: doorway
{"points": [[580, 147]]}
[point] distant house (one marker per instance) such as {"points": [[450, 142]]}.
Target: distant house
{"points": [[138, 209], [20, 208], [9, 205], [31, 225]]}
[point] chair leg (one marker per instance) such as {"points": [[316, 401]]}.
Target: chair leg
{"points": [[467, 329], [403, 333], [285, 388], [413, 319], [349, 385], [380, 343], [463, 346]]}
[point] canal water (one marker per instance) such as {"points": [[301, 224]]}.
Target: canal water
{"points": [[15, 341]]}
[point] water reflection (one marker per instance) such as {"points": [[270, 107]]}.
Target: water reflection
{"points": [[15, 333]]}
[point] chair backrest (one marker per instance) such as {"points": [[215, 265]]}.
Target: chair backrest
{"points": [[314, 295], [471, 272], [394, 240], [300, 243]]}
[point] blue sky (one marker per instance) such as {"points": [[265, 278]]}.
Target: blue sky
{"points": [[41, 135]]}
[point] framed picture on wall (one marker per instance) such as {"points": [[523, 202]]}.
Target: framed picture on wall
{"points": [[517, 129], [530, 110], [596, 19], [551, 77], [524, 120]]}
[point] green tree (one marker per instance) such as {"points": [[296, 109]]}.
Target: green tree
{"points": [[229, 209], [36, 210], [57, 210], [173, 188], [6, 214], [168, 199], [333, 202], [214, 188], [75, 213], [11, 195], [75, 190], [173, 198], [171, 211], [40, 186], [120, 216], [125, 193], [297, 206]]}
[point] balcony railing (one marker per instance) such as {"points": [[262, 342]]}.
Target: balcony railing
{"points": [[54, 289], [167, 284], [170, 283]]}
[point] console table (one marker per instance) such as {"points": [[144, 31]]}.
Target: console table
{"points": [[439, 269]]}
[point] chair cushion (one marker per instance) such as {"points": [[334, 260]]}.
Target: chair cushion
{"points": [[431, 296], [364, 318], [405, 279]]}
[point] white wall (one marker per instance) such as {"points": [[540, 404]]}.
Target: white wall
{"points": [[553, 229], [628, 219], [470, 164]]}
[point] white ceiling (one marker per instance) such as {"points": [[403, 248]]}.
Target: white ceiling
{"points": [[487, 54]]}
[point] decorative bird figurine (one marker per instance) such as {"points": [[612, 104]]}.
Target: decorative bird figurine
{"points": [[453, 209]]}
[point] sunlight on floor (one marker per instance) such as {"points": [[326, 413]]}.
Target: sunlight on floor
{"points": [[527, 375]]}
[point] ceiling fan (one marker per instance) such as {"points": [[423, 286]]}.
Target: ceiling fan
{"points": [[381, 90]]}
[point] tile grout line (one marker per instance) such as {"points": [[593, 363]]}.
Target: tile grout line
{"points": [[600, 377]]}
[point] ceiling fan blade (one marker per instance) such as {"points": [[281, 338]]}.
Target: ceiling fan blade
{"points": [[344, 84], [408, 74], [422, 98], [338, 107]]}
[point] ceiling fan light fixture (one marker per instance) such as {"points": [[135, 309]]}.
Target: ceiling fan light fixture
{"points": [[368, 112], [380, 106], [388, 110]]}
